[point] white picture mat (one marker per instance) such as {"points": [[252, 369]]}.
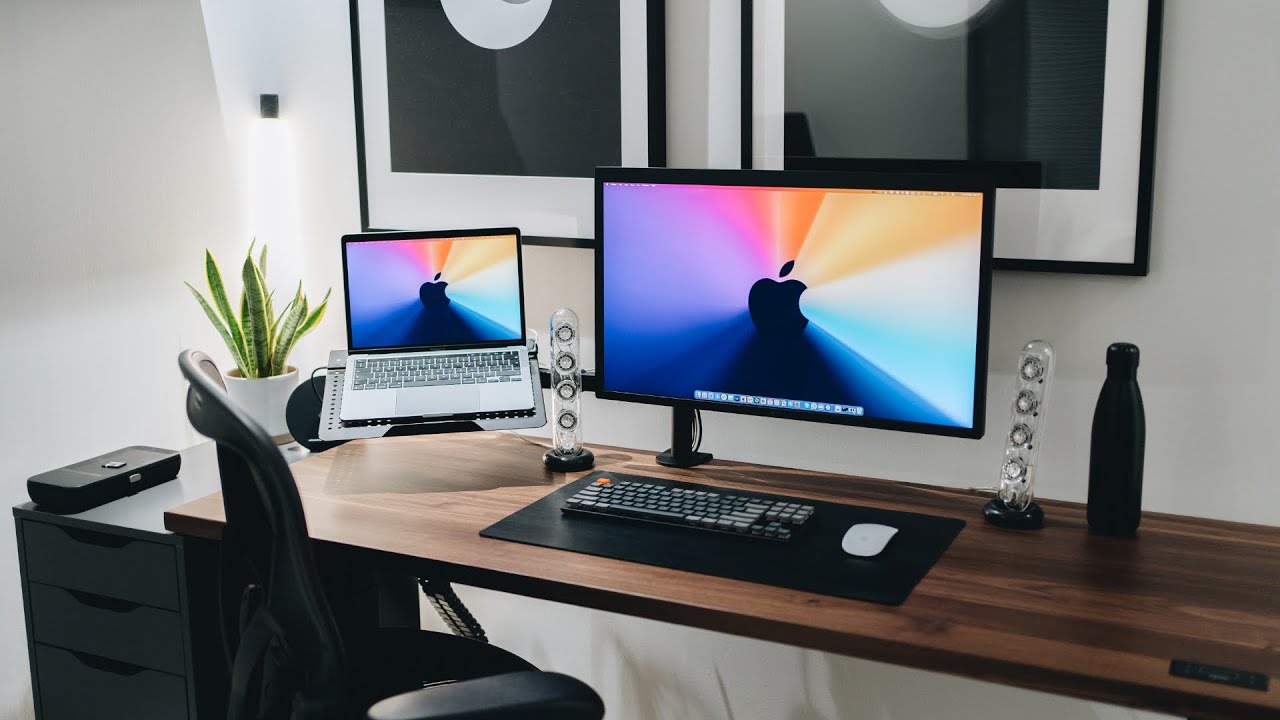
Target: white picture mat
{"points": [[546, 206], [1057, 225]]}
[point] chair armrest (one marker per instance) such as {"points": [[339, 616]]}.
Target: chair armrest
{"points": [[510, 696]]}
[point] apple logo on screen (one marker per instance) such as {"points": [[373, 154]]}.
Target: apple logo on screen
{"points": [[432, 293], [496, 24], [775, 306]]}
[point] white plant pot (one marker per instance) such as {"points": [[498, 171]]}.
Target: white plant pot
{"points": [[264, 399]]}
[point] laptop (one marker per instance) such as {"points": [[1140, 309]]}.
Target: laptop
{"points": [[435, 325]]}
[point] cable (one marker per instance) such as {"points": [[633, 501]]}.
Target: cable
{"points": [[312, 382], [526, 438]]}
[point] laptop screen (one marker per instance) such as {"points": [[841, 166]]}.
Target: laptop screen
{"points": [[407, 290]]}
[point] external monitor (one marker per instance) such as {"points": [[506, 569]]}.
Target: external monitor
{"points": [[850, 298]]}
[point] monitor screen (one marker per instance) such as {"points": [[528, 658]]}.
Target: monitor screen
{"points": [[407, 290], [857, 299]]}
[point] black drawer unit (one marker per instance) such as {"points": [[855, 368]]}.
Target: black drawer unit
{"points": [[76, 685], [108, 604], [114, 629], [108, 565]]}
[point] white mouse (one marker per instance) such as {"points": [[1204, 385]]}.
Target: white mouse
{"points": [[867, 539]]}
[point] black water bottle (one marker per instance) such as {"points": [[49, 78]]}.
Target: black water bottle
{"points": [[1115, 456]]}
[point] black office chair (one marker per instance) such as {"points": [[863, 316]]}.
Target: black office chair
{"points": [[286, 656]]}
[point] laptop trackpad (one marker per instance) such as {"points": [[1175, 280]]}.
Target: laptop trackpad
{"points": [[449, 400]]}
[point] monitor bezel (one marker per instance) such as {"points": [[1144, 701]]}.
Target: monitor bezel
{"points": [[950, 182], [392, 235]]}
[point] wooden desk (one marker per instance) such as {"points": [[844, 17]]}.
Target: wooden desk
{"points": [[1055, 610]]}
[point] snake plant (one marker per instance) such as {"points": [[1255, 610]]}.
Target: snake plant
{"points": [[259, 340]]}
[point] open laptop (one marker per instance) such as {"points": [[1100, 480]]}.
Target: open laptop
{"points": [[435, 324]]}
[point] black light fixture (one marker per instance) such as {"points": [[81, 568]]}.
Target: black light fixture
{"points": [[269, 106]]}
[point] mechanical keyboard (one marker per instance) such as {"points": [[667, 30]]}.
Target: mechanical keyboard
{"points": [[700, 507]]}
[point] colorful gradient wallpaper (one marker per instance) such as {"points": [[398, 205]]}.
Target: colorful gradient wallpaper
{"points": [[852, 297], [433, 291]]}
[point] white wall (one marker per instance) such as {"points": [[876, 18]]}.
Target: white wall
{"points": [[114, 176], [103, 212]]}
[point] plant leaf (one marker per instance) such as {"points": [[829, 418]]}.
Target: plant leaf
{"points": [[254, 317], [282, 343], [271, 316], [287, 335], [437, 277], [786, 269], [219, 294], [315, 317], [269, 312], [250, 368], [219, 326]]}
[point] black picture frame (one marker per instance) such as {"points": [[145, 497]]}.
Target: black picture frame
{"points": [[1008, 175], [654, 91]]}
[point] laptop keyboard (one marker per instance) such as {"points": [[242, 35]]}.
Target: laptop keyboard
{"points": [[462, 369]]}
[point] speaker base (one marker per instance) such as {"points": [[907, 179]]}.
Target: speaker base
{"points": [[584, 459], [1001, 515], [683, 460]]}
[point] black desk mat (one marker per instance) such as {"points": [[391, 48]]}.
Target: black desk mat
{"points": [[812, 562]]}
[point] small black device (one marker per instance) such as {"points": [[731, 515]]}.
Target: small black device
{"points": [[96, 481], [767, 517], [1218, 674]]}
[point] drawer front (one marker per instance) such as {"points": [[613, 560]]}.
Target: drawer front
{"points": [[114, 629], [108, 565], [74, 686]]}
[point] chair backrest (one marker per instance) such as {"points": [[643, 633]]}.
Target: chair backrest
{"points": [[287, 658]]}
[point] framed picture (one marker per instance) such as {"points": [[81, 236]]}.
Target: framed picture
{"points": [[1055, 99], [487, 113]]}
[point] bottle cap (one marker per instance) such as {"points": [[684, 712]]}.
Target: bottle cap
{"points": [[1122, 356]]}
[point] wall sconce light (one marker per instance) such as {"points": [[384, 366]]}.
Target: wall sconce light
{"points": [[269, 106]]}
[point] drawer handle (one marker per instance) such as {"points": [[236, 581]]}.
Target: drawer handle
{"points": [[115, 667], [102, 603], [95, 538]]}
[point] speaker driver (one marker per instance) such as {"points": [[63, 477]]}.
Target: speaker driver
{"points": [[1026, 402], [566, 362], [1032, 368], [1013, 468], [1020, 435], [565, 333], [566, 390]]}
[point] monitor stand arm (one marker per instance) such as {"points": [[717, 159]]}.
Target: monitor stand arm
{"points": [[682, 454]]}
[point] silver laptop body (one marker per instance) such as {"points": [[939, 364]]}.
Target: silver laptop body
{"points": [[435, 325]]}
